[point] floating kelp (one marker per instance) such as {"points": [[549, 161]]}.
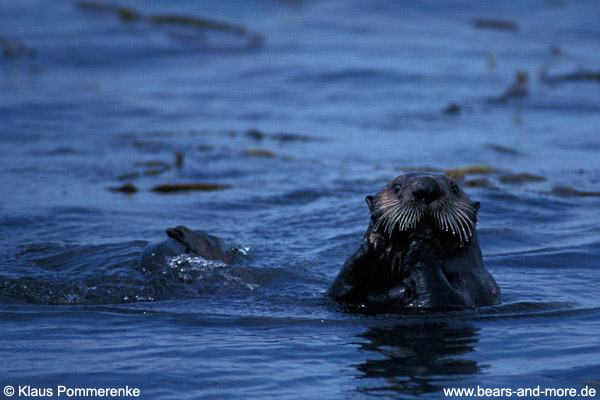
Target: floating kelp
{"points": [[152, 163], [582, 75], [520, 178], [520, 88], [503, 149], [127, 14], [478, 183], [186, 187], [567, 191], [197, 22], [128, 188], [460, 173], [260, 153], [102, 6]]}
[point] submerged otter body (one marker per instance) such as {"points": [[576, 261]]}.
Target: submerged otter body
{"points": [[183, 240], [420, 250]]}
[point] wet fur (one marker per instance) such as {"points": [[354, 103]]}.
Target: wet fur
{"points": [[418, 253], [182, 240]]}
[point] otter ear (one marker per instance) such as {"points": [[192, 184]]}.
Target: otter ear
{"points": [[475, 205], [369, 200]]}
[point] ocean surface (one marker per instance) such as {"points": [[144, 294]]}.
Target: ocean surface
{"points": [[299, 109]]}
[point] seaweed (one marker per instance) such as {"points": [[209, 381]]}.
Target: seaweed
{"points": [[460, 173], [520, 178], [152, 164], [127, 14], [260, 153], [128, 188], [186, 187], [581, 75], [520, 88], [124, 13], [503, 149], [568, 191], [478, 182], [197, 22]]}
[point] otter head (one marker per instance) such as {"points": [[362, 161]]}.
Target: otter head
{"points": [[420, 250], [429, 204]]}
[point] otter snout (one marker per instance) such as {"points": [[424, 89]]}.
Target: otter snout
{"points": [[427, 190]]}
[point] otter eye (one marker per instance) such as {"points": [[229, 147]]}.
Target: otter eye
{"points": [[397, 188], [454, 188]]}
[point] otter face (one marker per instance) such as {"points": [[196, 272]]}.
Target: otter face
{"points": [[423, 201], [420, 250]]}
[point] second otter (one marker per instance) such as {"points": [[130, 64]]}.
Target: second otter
{"points": [[182, 240], [420, 250]]}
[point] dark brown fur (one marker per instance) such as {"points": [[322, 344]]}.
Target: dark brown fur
{"points": [[182, 240], [420, 250]]}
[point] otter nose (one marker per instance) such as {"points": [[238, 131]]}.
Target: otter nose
{"points": [[427, 190]]}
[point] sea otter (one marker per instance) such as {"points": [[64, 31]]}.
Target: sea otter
{"points": [[420, 250], [182, 240]]}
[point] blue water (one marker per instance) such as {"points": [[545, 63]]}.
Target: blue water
{"points": [[362, 86]]}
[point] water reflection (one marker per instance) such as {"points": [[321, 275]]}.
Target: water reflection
{"points": [[418, 357]]}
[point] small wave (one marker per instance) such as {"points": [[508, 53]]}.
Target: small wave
{"points": [[207, 275], [81, 275], [527, 309], [515, 310], [360, 75], [75, 292]]}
